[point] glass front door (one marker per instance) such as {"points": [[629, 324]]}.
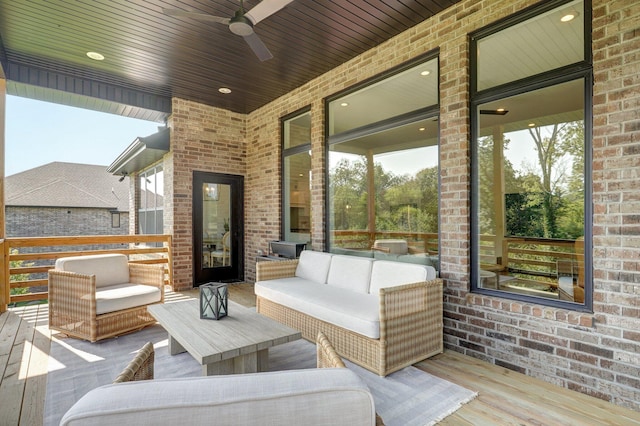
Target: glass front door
{"points": [[217, 237]]}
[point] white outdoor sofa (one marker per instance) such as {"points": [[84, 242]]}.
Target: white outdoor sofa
{"points": [[379, 314]]}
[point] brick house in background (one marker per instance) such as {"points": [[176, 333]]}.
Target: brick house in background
{"points": [[62, 199]]}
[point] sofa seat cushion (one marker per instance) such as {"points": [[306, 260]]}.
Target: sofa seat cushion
{"points": [[327, 396], [351, 310], [390, 274], [109, 269], [124, 296]]}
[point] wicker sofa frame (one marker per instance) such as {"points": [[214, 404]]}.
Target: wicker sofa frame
{"points": [[411, 323], [74, 314]]}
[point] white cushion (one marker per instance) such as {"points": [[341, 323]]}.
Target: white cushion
{"points": [[390, 274], [327, 396], [313, 266], [394, 246], [354, 311], [350, 272], [109, 269], [566, 285], [124, 296]]}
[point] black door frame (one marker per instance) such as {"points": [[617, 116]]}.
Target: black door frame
{"points": [[234, 272]]}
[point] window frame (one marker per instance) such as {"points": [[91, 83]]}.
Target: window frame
{"points": [[431, 111], [288, 152], [576, 71]]}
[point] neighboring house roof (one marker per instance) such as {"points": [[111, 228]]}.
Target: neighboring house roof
{"points": [[61, 184]]}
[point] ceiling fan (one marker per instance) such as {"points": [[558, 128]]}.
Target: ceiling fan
{"points": [[242, 22]]}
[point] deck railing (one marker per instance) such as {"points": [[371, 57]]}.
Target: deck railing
{"points": [[25, 261], [422, 242], [534, 260]]}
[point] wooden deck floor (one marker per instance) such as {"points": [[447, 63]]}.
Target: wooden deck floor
{"points": [[505, 397]]}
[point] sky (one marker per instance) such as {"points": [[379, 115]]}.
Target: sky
{"points": [[39, 133]]}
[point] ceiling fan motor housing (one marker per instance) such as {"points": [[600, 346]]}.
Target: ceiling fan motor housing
{"points": [[241, 25]]}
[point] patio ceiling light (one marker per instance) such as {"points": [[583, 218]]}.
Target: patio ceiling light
{"points": [[95, 56], [224, 90], [569, 17], [425, 72]]}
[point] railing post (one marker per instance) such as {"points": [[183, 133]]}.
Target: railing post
{"points": [[5, 287]]}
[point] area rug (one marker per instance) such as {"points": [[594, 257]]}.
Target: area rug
{"points": [[408, 397]]}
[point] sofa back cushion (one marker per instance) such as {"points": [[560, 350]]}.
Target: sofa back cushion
{"points": [[109, 269], [314, 266], [350, 272], [390, 274]]}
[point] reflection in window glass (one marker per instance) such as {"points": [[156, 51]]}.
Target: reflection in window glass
{"points": [[401, 93], [150, 201], [383, 194], [216, 225], [531, 189], [298, 196], [297, 131], [546, 42]]}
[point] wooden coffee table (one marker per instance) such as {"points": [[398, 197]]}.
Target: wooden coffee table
{"points": [[237, 343]]}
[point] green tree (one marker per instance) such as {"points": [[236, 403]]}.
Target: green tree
{"points": [[561, 187], [18, 277]]}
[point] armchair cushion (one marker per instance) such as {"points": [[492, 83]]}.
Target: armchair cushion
{"points": [[109, 269], [124, 296]]}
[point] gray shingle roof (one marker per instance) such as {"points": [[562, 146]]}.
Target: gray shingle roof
{"points": [[61, 184]]}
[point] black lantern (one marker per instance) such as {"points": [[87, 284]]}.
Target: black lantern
{"points": [[213, 301]]}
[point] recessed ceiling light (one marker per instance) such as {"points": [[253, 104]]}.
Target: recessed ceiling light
{"points": [[425, 72], [500, 110], [224, 90], [344, 104], [532, 124], [422, 129], [95, 56], [569, 17]]}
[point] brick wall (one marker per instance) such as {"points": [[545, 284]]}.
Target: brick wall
{"points": [[206, 139], [597, 353], [51, 221]]}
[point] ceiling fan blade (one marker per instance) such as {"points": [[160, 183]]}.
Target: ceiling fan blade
{"points": [[196, 15], [258, 47], [265, 8]]}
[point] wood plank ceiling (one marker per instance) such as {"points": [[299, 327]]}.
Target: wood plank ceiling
{"points": [[151, 56]]}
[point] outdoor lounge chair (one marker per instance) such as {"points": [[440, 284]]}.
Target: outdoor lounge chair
{"points": [[100, 296], [140, 367]]}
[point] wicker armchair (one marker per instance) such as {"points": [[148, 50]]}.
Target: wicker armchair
{"points": [[326, 354], [329, 358], [140, 367], [101, 296]]}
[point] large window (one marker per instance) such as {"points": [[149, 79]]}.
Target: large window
{"points": [[296, 159], [382, 173], [150, 201], [531, 215]]}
